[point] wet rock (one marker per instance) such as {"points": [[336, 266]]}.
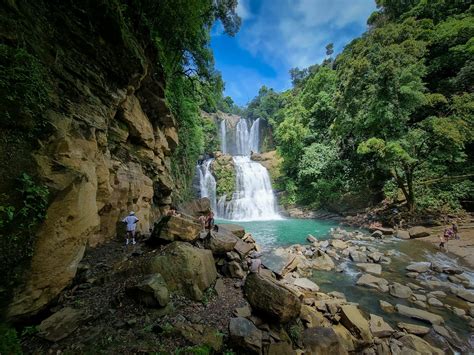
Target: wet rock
{"points": [[414, 286], [400, 291], [402, 234], [152, 291], [306, 284], [61, 324], [235, 229], [418, 232], [375, 256], [199, 334], [377, 234], [375, 269], [419, 267], [384, 231], [412, 275], [459, 312], [320, 340], [373, 282], [323, 262], [386, 307], [357, 256], [420, 304], [379, 327], [245, 335], [467, 295], [434, 302], [419, 314], [419, 297], [337, 294], [271, 298], [353, 320], [174, 228], [416, 343], [413, 328], [311, 239], [186, 269]]}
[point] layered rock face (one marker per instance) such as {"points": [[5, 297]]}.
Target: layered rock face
{"points": [[110, 146]]}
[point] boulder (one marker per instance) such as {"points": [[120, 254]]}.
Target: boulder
{"points": [[323, 262], [467, 295], [186, 269], [400, 291], [435, 302], [174, 228], [373, 282], [384, 231], [320, 340], [370, 268], [151, 292], [419, 345], [418, 232], [243, 248], [61, 324], [419, 267], [235, 270], [413, 328], [243, 311], [199, 334], [278, 261], [377, 234], [386, 307], [375, 256], [339, 244], [197, 207], [281, 348], [306, 284], [271, 298], [311, 317], [420, 314], [347, 339], [235, 229], [311, 238], [245, 335], [379, 327], [358, 256], [354, 321], [402, 234], [221, 242]]}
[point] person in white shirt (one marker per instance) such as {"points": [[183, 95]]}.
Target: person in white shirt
{"points": [[131, 221]]}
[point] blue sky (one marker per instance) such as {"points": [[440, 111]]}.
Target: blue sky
{"points": [[277, 35]]}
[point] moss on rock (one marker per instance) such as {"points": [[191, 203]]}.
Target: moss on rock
{"points": [[223, 169]]}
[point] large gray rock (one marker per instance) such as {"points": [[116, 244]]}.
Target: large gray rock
{"points": [[400, 291], [419, 267], [151, 292], [320, 340], [278, 261], [413, 328], [402, 234], [197, 207], [221, 242], [306, 284], [245, 335], [371, 268], [419, 314], [354, 321], [379, 327], [271, 298], [61, 324], [174, 228], [235, 229], [373, 282], [467, 295], [186, 269], [418, 232], [358, 256]]}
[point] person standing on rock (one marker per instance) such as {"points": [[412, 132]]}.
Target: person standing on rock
{"points": [[131, 222], [210, 221]]}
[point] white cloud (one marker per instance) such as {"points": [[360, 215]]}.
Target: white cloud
{"points": [[295, 33], [243, 10]]}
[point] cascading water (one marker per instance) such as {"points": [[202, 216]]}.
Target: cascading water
{"points": [[253, 198], [207, 183], [223, 137]]}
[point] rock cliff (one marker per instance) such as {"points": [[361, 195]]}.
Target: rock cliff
{"points": [[108, 151]]}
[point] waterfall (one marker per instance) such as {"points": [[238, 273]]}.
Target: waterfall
{"points": [[223, 137], [207, 183], [254, 141], [242, 137], [253, 199]]}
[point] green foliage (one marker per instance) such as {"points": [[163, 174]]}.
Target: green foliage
{"points": [[210, 131], [224, 172], [393, 110], [18, 227], [24, 87], [9, 342], [196, 350]]}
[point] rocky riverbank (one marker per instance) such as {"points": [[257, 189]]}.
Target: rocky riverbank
{"points": [[184, 291]]}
